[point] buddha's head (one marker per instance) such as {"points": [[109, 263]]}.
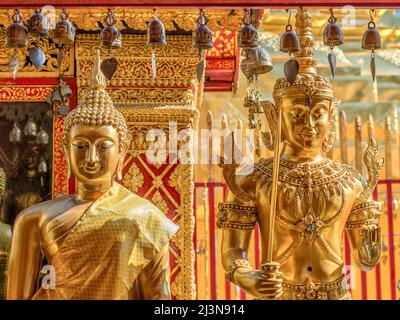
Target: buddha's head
{"points": [[307, 105], [95, 136]]}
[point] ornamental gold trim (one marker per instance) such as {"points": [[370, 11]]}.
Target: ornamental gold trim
{"points": [[89, 19], [148, 97], [176, 63], [18, 93]]}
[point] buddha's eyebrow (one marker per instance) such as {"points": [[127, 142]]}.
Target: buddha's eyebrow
{"points": [[80, 138], [320, 105], [101, 139]]}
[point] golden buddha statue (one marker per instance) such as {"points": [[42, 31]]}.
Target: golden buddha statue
{"points": [[103, 242], [316, 199]]}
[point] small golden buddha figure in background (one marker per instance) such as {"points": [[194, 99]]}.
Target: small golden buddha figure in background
{"points": [[103, 242], [317, 199], [5, 241]]}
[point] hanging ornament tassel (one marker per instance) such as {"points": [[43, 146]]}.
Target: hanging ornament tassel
{"points": [[333, 36], [372, 65], [371, 41], [201, 65], [156, 37], [332, 62], [13, 64], [37, 57], [153, 64], [59, 58], [202, 40], [109, 66], [291, 69]]}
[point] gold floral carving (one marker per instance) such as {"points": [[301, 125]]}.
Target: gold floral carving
{"points": [[60, 179], [150, 97], [90, 19], [21, 93], [182, 180], [133, 178], [176, 63], [159, 202], [177, 179], [27, 69], [160, 115]]}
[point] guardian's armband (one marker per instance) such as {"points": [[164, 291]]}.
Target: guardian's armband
{"points": [[235, 216], [364, 214]]}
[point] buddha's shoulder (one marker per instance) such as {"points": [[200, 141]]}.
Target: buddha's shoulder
{"points": [[43, 210], [141, 211]]}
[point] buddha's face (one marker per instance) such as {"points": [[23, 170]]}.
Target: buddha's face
{"points": [[306, 122], [93, 153]]}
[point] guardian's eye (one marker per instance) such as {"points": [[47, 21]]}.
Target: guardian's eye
{"points": [[297, 114], [319, 113]]}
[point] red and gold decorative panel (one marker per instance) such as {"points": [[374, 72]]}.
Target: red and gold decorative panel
{"points": [[222, 62], [169, 185]]}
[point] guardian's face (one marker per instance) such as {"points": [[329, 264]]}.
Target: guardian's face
{"points": [[93, 153], [305, 122]]}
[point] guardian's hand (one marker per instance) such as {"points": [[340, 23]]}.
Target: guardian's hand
{"points": [[263, 284]]}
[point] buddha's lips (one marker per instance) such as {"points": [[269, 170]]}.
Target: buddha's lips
{"points": [[91, 168]]}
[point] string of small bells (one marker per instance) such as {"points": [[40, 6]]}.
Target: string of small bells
{"points": [[30, 131], [110, 38], [256, 61]]}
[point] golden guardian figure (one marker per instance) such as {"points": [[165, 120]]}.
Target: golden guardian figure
{"points": [[302, 201], [103, 242]]}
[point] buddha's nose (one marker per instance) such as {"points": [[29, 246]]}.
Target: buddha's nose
{"points": [[309, 121], [92, 155]]}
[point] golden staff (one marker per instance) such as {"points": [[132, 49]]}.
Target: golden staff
{"points": [[270, 268], [274, 186]]}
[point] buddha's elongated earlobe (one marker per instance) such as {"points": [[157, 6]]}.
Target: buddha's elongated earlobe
{"points": [[66, 156], [120, 167]]}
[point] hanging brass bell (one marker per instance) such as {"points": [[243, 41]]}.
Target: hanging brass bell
{"points": [[43, 137], [42, 167], [202, 36], [30, 128], [64, 32], [38, 25], [248, 35], [54, 99], [289, 41], [371, 39], [15, 134], [110, 36], [156, 33], [333, 35], [17, 33], [257, 61]]}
